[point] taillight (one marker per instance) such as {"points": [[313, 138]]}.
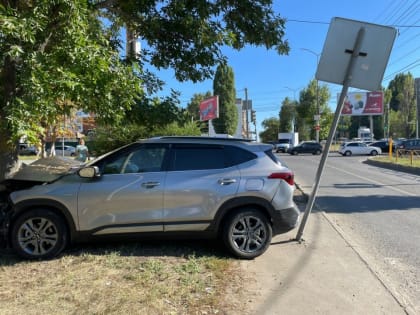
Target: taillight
{"points": [[289, 177]]}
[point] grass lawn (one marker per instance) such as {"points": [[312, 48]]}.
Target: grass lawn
{"points": [[124, 278], [405, 161]]}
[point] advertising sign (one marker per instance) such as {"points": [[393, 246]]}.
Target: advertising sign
{"points": [[209, 108], [363, 103]]}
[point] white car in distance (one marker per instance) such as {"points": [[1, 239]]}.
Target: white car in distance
{"points": [[67, 150], [358, 148]]}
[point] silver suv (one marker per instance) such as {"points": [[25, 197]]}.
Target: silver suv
{"points": [[174, 186]]}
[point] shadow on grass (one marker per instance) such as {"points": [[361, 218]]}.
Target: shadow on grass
{"points": [[143, 248]]}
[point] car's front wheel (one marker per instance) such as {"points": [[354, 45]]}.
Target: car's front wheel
{"points": [[39, 234], [347, 153], [374, 152], [247, 233]]}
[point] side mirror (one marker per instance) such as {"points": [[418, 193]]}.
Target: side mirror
{"points": [[89, 172]]}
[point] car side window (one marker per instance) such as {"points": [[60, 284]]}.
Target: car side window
{"points": [[238, 156], [144, 160], [198, 157], [138, 159]]}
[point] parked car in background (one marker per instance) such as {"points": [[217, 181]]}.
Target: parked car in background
{"points": [[68, 150], [193, 187], [306, 147], [409, 144], [26, 149], [358, 148], [384, 145], [282, 145]]}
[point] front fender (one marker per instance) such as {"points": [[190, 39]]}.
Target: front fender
{"points": [[54, 205]]}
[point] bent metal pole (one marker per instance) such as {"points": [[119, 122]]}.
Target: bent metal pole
{"points": [[346, 84]]}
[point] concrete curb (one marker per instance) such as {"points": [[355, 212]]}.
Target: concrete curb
{"points": [[394, 167]]}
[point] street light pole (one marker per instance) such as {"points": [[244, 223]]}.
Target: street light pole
{"points": [[294, 111], [293, 90], [317, 96]]}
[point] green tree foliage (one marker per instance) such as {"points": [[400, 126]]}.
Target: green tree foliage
{"points": [[271, 130], [65, 54], [153, 113], [187, 36], [54, 58], [287, 115], [403, 101], [224, 87], [308, 108], [110, 137]]}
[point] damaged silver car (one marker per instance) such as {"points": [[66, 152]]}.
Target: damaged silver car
{"points": [[192, 187]]}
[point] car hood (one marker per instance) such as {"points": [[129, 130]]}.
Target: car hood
{"points": [[44, 170]]}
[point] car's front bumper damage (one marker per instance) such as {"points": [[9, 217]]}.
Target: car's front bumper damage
{"points": [[5, 214]]}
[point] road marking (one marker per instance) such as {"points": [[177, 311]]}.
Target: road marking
{"points": [[374, 181]]}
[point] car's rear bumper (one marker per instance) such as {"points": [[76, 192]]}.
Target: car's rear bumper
{"points": [[285, 220]]}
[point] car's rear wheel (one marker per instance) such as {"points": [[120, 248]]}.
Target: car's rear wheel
{"points": [[317, 152], [247, 233], [39, 234], [294, 152], [347, 153], [374, 152]]}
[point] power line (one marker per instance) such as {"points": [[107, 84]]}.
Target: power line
{"points": [[406, 68], [383, 12], [405, 56], [406, 13], [327, 23]]}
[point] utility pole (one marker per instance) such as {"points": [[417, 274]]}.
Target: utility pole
{"points": [[294, 109], [318, 112], [247, 113], [417, 90]]}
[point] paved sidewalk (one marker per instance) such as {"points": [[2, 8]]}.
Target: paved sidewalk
{"points": [[321, 275]]}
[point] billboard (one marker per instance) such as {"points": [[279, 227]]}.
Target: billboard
{"points": [[209, 108], [363, 103]]}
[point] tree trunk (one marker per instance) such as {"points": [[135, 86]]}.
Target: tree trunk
{"points": [[9, 162]]}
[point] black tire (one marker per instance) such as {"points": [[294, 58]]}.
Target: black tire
{"points": [[317, 152], [374, 152], [347, 153], [247, 233], [294, 152], [39, 234]]}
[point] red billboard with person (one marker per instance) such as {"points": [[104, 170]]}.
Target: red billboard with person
{"points": [[209, 108], [363, 103]]}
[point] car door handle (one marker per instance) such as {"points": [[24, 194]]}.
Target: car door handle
{"points": [[150, 184], [227, 181]]}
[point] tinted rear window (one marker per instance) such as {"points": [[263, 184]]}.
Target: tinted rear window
{"points": [[238, 156], [272, 156], [192, 157], [203, 157]]}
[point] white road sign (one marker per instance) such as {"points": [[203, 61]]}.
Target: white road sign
{"points": [[373, 56]]}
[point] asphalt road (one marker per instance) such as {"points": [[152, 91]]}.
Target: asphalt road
{"points": [[377, 210]]}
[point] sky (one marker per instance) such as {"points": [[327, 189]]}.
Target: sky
{"points": [[270, 78]]}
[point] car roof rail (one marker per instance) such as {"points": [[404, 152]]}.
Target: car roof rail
{"points": [[204, 138]]}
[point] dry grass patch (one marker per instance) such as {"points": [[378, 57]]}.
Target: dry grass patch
{"points": [[403, 160], [122, 279]]}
